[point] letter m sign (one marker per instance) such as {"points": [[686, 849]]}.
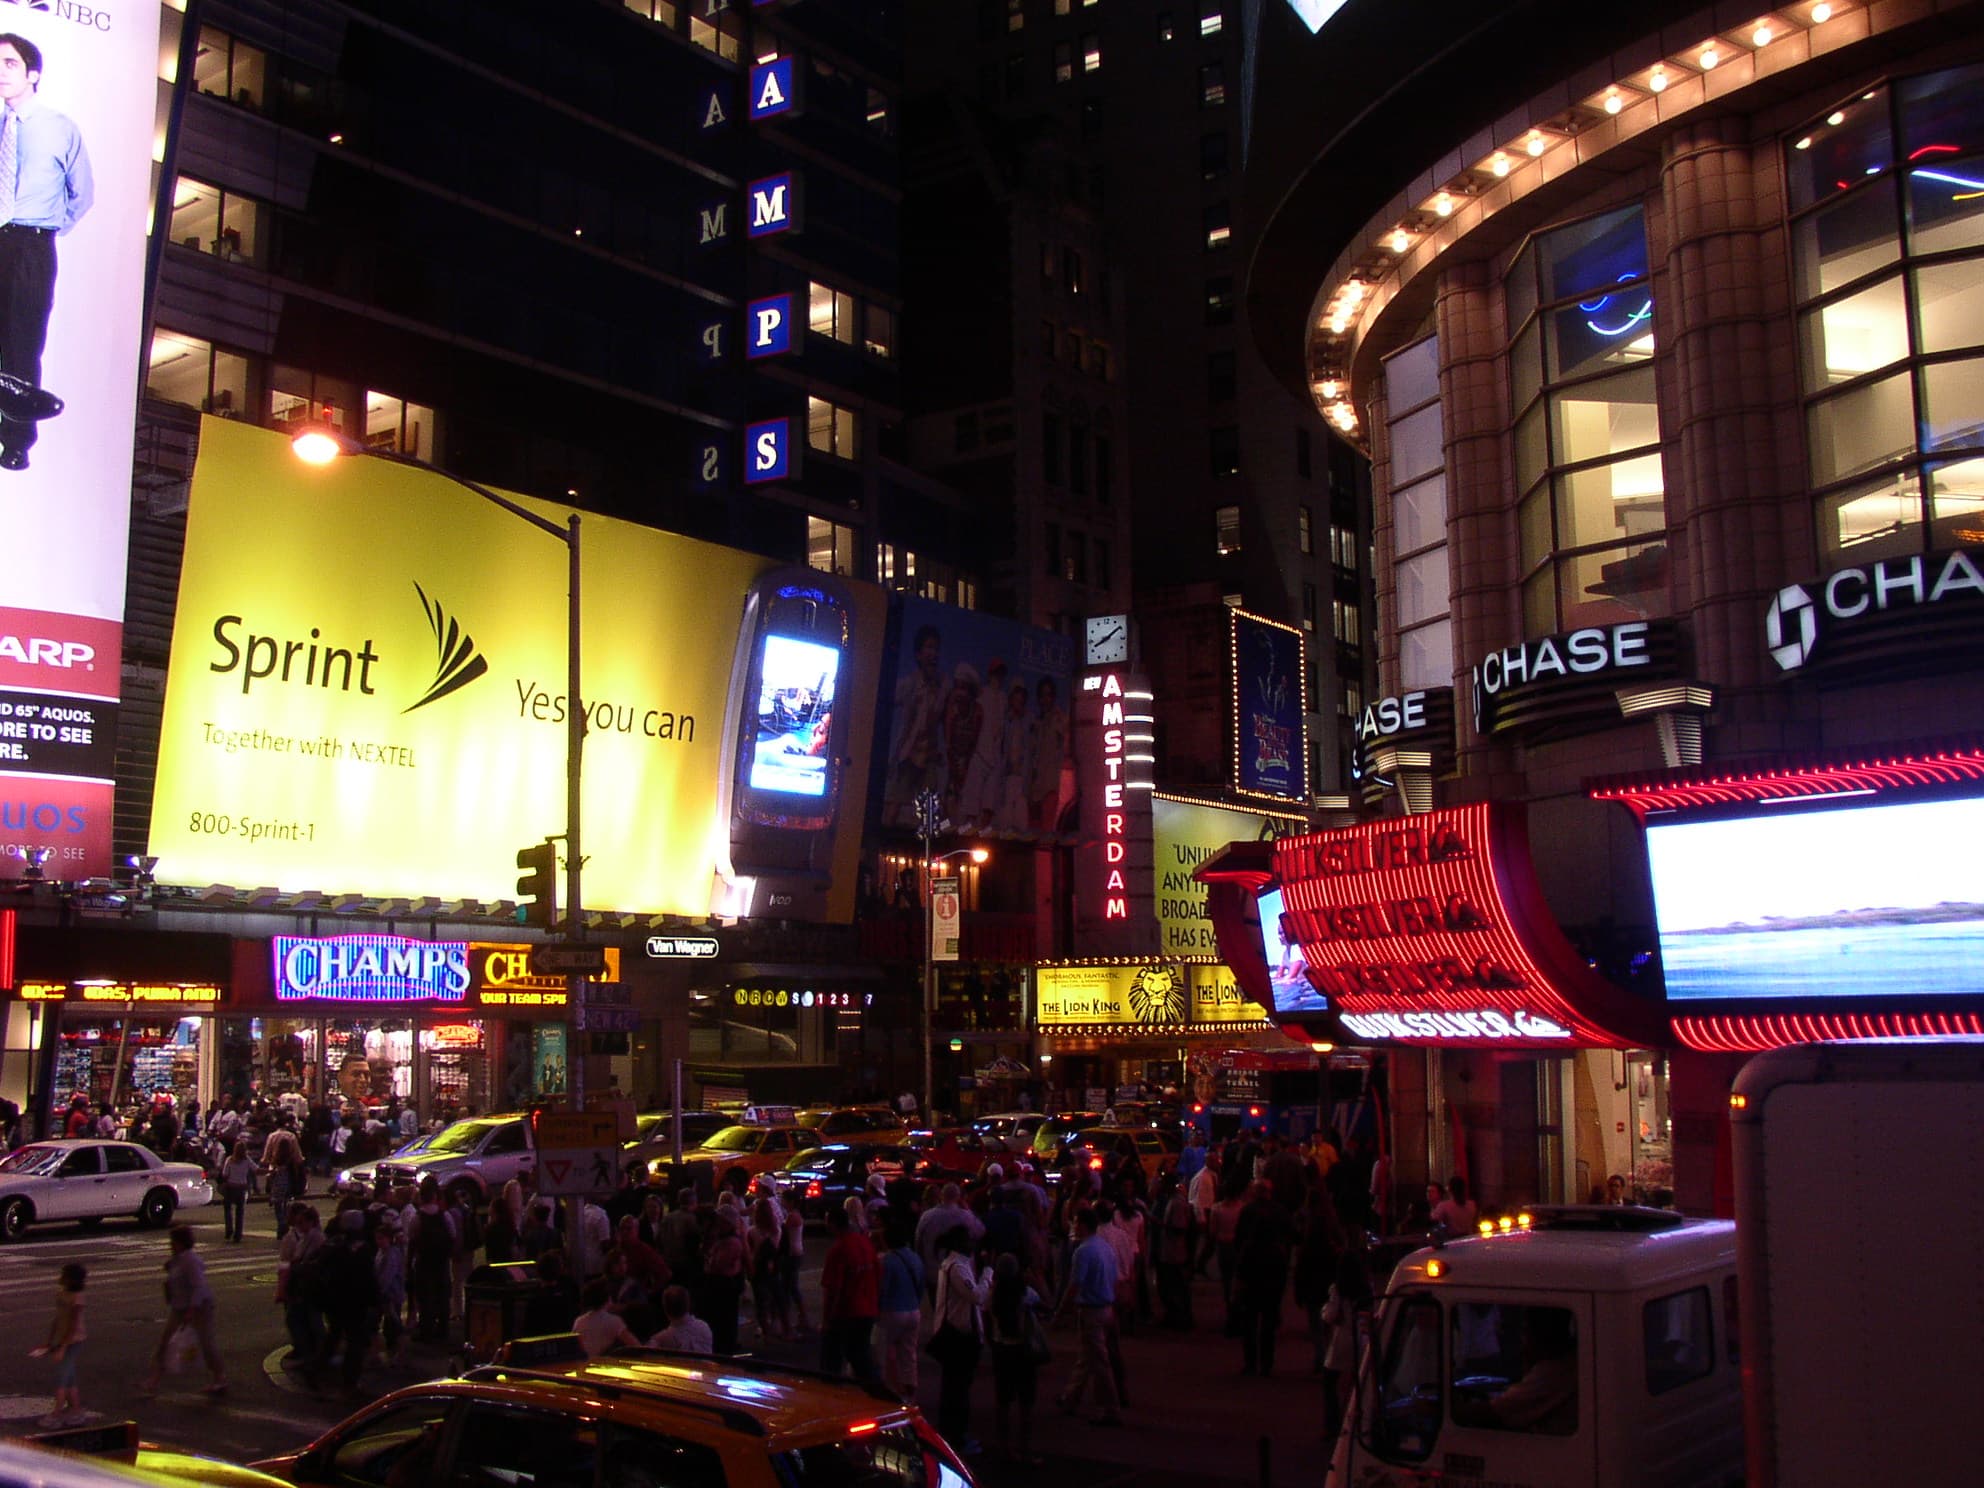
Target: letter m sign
{"points": [[774, 206]]}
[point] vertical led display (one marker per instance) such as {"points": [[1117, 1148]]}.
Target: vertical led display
{"points": [[78, 89]]}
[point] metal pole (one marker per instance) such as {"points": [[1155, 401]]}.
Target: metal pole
{"points": [[575, 743], [929, 985], [676, 1125]]}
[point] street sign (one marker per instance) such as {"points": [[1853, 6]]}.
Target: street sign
{"points": [[578, 1152], [944, 904], [568, 1171], [695, 947], [565, 960], [609, 1019]]}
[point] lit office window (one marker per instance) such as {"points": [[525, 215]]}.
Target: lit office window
{"points": [[1310, 603], [1887, 241], [300, 396], [1219, 300], [226, 67], [397, 425], [718, 31], [1344, 622], [210, 220], [1226, 529], [880, 116], [664, 12], [830, 428], [192, 372], [830, 312], [1592, 517], [1305, 530], [1064, 62], [1218, 220], [829, 547], [1212, 85], [880, 335], [1422, 618], [1091, 52], [1212, 18]]}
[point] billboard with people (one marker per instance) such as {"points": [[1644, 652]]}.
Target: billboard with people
{"points": [[77, 94], [978, 714]]}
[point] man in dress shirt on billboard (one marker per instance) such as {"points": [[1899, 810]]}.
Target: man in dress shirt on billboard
{"points": [[45, 188]]}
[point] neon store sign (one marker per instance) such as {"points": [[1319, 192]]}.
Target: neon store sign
{"points": [[370, 968], [1122, 761], [1431, 928]]}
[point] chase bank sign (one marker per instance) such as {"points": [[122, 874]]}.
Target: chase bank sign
{"points": [[1800, 619], [370, 968]]}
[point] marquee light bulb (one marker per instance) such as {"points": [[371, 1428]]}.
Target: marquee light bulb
{"points": [[1709, 58], [1761, 36], [1500, 164], [1658, 82], [1535, 145], [1821, 13], [1330, 388], [1836, 118], [1613, 102], [1401, 240], [1443, 205]]}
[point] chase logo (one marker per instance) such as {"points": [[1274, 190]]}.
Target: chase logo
{"points": [[1791, 628], [457, 662]]}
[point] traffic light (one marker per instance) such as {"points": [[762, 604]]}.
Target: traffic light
{"points": [[537, 885]]}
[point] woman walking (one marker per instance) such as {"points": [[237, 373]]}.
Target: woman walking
{"points": [[962, 1291], [189, 1302], [723, 1280], [299, 1288], [237, 1176], [764, 1248]]}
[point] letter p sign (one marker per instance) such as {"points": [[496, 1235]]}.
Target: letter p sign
{"points": [[768, 326], [767, 451]]}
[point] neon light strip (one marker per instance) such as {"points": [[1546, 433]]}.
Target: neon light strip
{"points": [[1752, 1035]]}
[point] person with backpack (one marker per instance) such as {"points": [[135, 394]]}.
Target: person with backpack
{"points": [[433, 1249]]}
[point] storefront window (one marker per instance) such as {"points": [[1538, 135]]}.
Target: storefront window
{"points": [[1593, 518], [160, 1058], [1890, 358]]}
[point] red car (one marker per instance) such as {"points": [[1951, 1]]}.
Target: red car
{"points": [[951, 1152]]}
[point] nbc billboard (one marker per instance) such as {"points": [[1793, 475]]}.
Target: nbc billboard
{"points": [[78, 86], [367, 691]]}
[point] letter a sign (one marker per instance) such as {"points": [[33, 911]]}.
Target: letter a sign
{"points": [[771, 89], [768, 326]]}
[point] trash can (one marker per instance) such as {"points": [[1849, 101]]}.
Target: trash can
{"points": [[497, 1299]]}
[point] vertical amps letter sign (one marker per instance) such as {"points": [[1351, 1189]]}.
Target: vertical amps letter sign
{"points": [[1115, 761], [367, 690], [1270, 746], [79, 87]]}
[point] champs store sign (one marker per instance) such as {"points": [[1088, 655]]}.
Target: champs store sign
{"points": [[1156, 994], [367, 689]]}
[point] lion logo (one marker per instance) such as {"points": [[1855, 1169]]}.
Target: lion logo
{"points": [[1157, 995]]}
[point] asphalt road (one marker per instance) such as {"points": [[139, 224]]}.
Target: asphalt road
{"points": [[1194, 1420]]}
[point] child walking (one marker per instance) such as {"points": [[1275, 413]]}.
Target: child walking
{"points": [[65, 1346]]}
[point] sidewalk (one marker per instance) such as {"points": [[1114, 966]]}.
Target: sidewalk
{"points": [[1194, 1418]]}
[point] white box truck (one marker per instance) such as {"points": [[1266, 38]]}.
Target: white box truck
{"points": [[1859, 1220]]}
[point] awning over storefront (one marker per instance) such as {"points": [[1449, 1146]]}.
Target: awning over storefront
{"points": [[1427, 929]]}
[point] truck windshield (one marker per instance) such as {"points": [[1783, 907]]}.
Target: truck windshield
{"points": [[1404, 1414]]}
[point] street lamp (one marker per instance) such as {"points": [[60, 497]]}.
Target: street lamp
{"points": [[931, 822], [320, 446]]}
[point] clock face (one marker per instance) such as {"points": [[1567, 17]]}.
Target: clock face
{"points": [[1108, 639]]}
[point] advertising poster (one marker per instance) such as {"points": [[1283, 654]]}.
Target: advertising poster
{"points": [[367, 690], [78, 86], [1157, 993], [1188, 833], [1270, 748], [979, 714]]}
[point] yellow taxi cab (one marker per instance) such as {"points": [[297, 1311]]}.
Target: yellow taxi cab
{"points": [[737, 1154], [633, 1418], [109, 1455]]}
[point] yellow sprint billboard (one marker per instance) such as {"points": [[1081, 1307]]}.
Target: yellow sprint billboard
{"points": [[367, 690]]}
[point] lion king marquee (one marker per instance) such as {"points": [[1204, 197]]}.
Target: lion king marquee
{"points": [[1143, 996]]}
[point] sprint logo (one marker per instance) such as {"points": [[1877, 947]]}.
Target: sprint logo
{"points": [[457, 662]]}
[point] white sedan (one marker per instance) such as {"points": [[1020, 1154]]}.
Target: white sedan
{"points": [[89, 1181]]}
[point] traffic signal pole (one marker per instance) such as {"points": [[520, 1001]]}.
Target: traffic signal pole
{"points": [[575, 743]]}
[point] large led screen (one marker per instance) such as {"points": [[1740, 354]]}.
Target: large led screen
{"points": [[795, 714], [1867, 901], [1288, 968]]}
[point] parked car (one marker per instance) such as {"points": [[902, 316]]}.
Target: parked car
{"points": [[91, 1181], [473, 1157], [737, 1154], [1049, 1136], [632, 1417], [950, 1152], [1012, 1130], [80, 1458], [851, 1121], [654, 1143], [1156, 1150], [822, 1177]]}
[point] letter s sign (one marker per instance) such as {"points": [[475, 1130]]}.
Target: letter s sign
{"points": [[767, 451]]}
